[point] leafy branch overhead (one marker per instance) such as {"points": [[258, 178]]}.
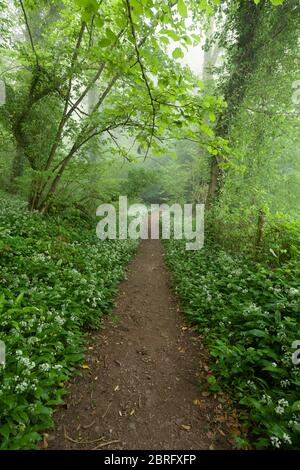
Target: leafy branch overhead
{"points": [[116, 52]]}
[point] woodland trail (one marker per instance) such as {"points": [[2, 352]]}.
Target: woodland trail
{"points": [[141, 390]]}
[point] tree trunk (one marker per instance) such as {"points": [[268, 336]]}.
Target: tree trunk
{"points": [[214, 181], [260, 231], [243, 65], [17, 166]]}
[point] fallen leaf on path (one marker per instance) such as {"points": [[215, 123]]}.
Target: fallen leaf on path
{"points": [[186, 427], [221, 419], [45, 441], [200, 403], [85, 366]]}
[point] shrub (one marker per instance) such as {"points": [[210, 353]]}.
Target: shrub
{"points": [[249, 315], [55, 281]]}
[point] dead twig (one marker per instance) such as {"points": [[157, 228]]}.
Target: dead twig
{"points": [[103, 444], [92, 405], [109, 405], [79, 441], [105, 361], [87, 426]]}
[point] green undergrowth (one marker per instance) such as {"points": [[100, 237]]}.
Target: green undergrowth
{"points": [[56, 281], [249, 314]]}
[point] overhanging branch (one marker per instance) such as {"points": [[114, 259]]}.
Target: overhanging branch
{"points": [[144, 75]]}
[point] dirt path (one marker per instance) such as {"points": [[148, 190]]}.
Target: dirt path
{"points": [[142, 385]]}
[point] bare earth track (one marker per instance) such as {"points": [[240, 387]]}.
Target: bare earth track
{"points": [[141, 390]]}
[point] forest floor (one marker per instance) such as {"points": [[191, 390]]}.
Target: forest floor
{"points": [[144, 382]]}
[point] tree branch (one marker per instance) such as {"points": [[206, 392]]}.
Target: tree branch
{"points": [[29, 33], [144, 75], [64, 115]]}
